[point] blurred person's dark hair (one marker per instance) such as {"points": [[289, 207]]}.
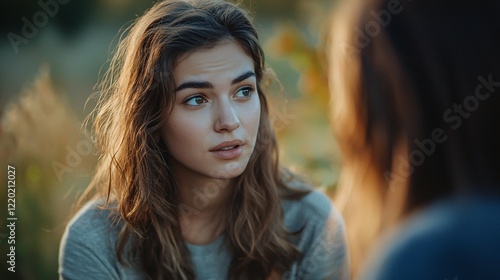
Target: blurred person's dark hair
{"points": [[414, 108]]}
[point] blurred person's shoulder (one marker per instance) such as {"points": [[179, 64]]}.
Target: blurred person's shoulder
{"points": [[454, 238]]}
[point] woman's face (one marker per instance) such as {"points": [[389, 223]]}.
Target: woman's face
{"points": [[214, 122]]}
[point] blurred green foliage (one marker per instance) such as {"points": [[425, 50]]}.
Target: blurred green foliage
{"points": [[307, 143]]}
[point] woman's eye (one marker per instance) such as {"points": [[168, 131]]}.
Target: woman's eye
{"points": [[195, 101], [245, 92]]}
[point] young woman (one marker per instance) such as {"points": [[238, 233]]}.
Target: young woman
{"points": [[415, 97], [188, 183]]}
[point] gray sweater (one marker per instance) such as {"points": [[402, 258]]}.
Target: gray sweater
{"points": [[87, 248]]}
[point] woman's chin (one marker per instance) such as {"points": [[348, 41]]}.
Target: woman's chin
{"points": [[229, 171]]}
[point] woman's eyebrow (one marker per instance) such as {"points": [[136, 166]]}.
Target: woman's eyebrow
{"points": [[194, 84], [243, 77], [202, 84]]}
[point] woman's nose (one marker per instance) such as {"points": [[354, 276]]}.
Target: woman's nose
{"points": [[226, 117]]}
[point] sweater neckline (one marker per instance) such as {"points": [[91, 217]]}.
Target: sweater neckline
{"points": [[205, 249]]}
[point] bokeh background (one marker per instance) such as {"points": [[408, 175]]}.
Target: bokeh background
{"points": [[47, 77]]}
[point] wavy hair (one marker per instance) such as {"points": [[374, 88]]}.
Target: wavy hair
{"points": [[133, 172]]}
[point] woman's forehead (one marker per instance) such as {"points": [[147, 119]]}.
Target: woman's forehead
{"points": [[226, 59]]}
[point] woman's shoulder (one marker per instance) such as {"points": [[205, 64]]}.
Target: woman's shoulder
{"points": [[313, 207], [322, 235], [88, 245], [92, 228], [92, 221], [313, 203]]}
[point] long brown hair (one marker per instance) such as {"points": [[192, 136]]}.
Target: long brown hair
{"points": [[398, 69], [133, 172]]}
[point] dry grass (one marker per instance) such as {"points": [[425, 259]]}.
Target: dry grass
{"points": [[37, 131]]}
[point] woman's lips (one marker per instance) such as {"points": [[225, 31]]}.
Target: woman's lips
{"points": [[228, 153], [228, 150]]}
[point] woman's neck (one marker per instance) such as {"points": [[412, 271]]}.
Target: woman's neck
{"points": [[202, 211], [203, 228]]}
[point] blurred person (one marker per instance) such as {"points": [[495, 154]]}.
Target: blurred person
{"points": [[189, 185], [415, 101]]}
